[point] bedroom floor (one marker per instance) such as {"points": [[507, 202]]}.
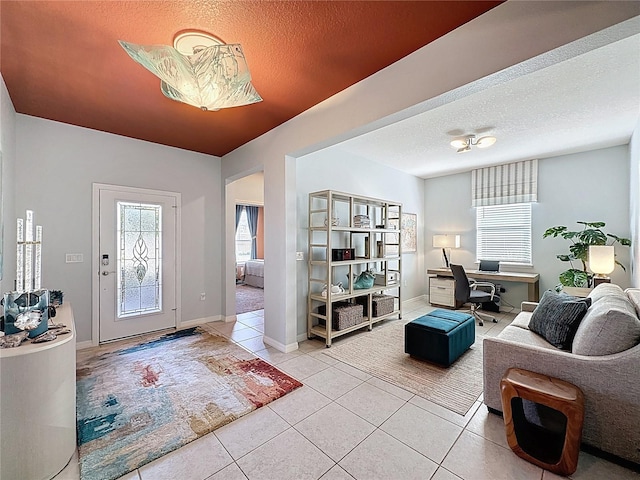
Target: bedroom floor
{"points": [[324, 430]]}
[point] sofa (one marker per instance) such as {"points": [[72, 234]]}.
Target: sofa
{"points": [[601, 357]]}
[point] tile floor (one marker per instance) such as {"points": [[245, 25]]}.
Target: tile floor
{"points": [[345, 424]]}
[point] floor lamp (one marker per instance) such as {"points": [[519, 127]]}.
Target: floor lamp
{"points": [[446, 243]]}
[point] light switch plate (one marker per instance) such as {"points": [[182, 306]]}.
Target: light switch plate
{"points": [[299, 256]]}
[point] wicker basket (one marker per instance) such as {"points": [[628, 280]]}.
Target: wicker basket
{"points": [[344, 315], [381, 304]]}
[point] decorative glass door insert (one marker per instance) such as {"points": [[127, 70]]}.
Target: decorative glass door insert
{"points": [[139, 266]]}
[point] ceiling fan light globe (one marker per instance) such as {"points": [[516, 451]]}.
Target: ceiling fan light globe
{"points": [[485, 142], [459, 143]]}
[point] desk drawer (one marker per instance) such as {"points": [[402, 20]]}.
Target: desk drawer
{"points": [[442, 291]]}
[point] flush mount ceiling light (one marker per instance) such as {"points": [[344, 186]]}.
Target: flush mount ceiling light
{"points": [[464, 144], [199, 70]]}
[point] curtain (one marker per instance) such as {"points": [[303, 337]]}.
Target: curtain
{"points": [[252, 219], [505, 184], [238, 214]]}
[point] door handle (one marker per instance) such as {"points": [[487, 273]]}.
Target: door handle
{"points": [[105, 273]]}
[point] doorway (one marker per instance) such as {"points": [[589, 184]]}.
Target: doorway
{"points": [[136, 240]]}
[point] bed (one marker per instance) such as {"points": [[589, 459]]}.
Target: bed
{"points": [[254, 273]]}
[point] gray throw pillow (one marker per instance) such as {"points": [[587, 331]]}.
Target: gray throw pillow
{"points": [[557, 318], [610, 326]]}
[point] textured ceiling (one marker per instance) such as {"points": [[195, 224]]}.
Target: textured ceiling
{"points": [[61, 60]]}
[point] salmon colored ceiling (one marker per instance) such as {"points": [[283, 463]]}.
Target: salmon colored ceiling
{"points": [[61, 60]]}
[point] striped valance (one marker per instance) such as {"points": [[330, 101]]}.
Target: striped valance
{"points": [[504, 184]]}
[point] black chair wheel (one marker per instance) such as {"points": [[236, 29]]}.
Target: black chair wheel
{"points": [[495, 321], [480, 324]]}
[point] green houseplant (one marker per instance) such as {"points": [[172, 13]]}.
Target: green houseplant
{"points": [[591, 234]]}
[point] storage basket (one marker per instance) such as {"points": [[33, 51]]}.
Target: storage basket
{"points": [[344, 315], [381, 304]]}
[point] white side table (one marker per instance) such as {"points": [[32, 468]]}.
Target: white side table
{"points": [[38, 405]]}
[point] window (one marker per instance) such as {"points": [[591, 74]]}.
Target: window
{"points": [[243, 239], [503, 232]]}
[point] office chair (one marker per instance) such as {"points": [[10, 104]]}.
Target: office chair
{"points": [[466, 292]]}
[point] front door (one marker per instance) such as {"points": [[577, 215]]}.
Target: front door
{"points": [[137, 250]]}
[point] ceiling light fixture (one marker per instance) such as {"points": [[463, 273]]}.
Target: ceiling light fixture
{"points": [[464, 144], [201, 70]]}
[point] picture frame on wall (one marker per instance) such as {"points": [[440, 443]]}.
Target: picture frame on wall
{"points": [[409, 232]]}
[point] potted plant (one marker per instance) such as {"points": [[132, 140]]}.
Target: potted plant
{"points": [[591, 234]]}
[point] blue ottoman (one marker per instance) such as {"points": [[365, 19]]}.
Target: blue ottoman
{"points": [[440, 336]]}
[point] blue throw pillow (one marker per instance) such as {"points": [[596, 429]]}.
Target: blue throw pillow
{"points": [[557, 318]]}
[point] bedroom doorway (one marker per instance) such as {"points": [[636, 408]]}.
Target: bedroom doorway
{"points": [[247, 195], [249, 253]]}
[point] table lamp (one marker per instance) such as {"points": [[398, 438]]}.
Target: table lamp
{"points": [[446, 242], [601, 262]]}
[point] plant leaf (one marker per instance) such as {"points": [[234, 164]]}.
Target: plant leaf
{"points": [[574, 278], [553, 231]]}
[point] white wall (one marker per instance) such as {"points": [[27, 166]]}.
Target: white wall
{"points": [[247, 190], [327, 170], [7, 189], [590, 186], [634, 205], [56, 166]]}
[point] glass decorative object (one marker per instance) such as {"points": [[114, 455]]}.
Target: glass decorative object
{"points": [[214, 76], [27, 308]]}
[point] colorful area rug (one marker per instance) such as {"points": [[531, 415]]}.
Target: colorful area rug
{"points": [[138, 402], [249, 299], [381, 354]]}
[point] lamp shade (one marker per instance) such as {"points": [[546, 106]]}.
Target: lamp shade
{"points": [[601, 259], [446, 241]]}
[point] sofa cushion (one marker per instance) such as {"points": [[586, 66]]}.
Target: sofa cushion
{"points": [[609, 326], [522, 320], [557, 316], [633, 294], [605, 290]]}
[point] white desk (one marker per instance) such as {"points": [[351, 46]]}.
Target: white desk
{"points": [[38, 405], [531, 279]]}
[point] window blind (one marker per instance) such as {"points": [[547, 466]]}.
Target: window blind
{"points": [[505, 184], [503, 232]]}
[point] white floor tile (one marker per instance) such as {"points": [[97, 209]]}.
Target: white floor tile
{"points": [[253, 344], [489, 426], [354, 372], [302, 366], [289, 456], [335, 430], [249, 432], [320, 355], [444, 474], [425, 432], [390, 388], [336, 473], [332, 382], [275, 357], [230, 472], [195, 461], [299, 404], [244, 334], [382, 457], [475, 458], [371, 403], [443, 412], [251, 320], [594, 468], [226, 328]]}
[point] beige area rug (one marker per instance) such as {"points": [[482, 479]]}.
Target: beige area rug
{"points": [[380, 353], [249, 299]]}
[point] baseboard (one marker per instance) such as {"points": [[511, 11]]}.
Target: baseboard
{"points": [[83, 345], [199, 321], [279, 346]]}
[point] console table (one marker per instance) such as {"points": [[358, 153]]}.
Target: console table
{"points": [[38, 407], [531, 279]]}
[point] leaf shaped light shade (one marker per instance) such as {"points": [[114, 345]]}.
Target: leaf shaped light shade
{"points": [[214, 77]]}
